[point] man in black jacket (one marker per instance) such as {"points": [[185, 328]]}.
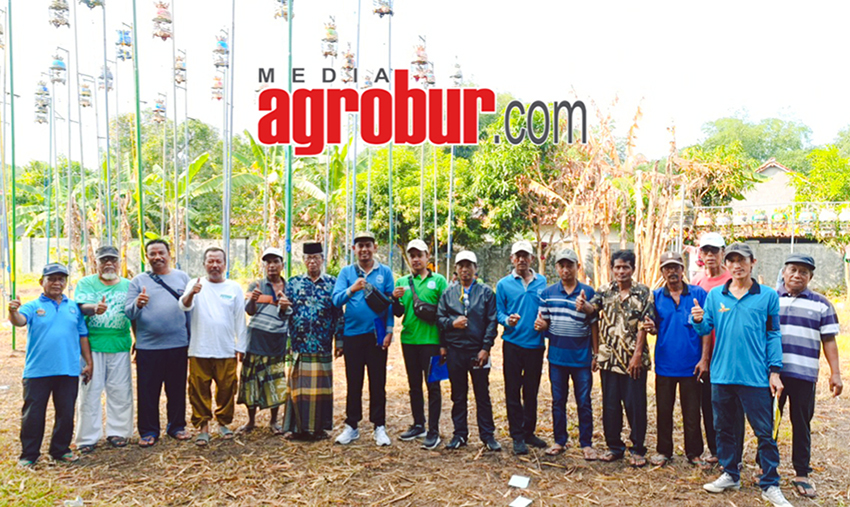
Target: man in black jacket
{"points": [[466, 317]]}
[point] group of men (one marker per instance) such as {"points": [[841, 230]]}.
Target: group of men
{"points": [[729, 344]]}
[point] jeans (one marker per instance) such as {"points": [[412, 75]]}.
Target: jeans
{"points": [[523, 368], [417, 362], [757, 404], [559, 377], [361, 353], [623, 392], [37, 391], [153, 369], [689, 397], [708, 414], [460, 370]]}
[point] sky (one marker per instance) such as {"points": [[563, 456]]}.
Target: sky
{"points": [[682, 63]]}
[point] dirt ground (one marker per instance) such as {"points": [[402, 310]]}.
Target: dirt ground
{"points": [[260, 469]]}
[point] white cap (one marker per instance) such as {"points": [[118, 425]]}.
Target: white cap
{"points": [[466, 255], [522, 246], [272, 251], [712, 239], [417, 244]]}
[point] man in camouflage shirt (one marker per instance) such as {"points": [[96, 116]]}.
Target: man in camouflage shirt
{"points": [[623, 356]]}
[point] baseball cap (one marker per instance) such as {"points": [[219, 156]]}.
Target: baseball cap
{"points": [[567, 254], [54, 268], [277, 252], [466, 255], [522, 246], [796, 258], [106, 251], [671, 258], [363, 235], [712, 239], [740, 249], [417, 244]]}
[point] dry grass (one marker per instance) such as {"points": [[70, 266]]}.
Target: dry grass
{"points": [[264, 470]]}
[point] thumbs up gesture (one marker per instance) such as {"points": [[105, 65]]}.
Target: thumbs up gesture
{"points": [[581, 303], [283, 303], [696, 312], [197, 287], [14, 304], [101, 307], [142, 298]]}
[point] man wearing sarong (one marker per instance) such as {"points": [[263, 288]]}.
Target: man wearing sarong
{"points": [[262, 383], [315, 327]]}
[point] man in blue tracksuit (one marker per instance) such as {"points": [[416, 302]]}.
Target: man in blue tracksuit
{"points": [[745, 368], [367, 336], [517, 306]]}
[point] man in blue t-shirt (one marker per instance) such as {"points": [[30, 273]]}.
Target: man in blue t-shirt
{"points": [[56, 337], [681, 358], [573, 345], [517, 305]]}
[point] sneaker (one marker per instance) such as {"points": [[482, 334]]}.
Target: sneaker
{"points": [[381, 438], [536, 441], [412, 433], [456, 443], [432, 441], [492, 444], [25, 463], [348, 435], [723, 483], [774, 495], [520, 447]]}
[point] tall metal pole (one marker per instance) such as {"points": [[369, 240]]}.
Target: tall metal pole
{"points": [[390, 155], [451, 215], [139, 193], [164, 168], [138, 134], [356, 125], [188, 160], [289, 152], [82, 204], [436, 239], [14, 245], [369, 193], [68, 197], [50, 191], [231, 75], [175, 228]]}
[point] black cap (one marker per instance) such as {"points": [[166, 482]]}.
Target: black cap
{"points": [[54, 268], [106, 251], [796, 258], [313, 247], [740, 249]]}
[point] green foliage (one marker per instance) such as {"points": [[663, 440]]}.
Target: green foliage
{"points": [[729, 171], [787, 141], [828, 179]]}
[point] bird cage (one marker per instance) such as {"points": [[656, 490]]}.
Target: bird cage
{"points": [[827, 222], [779, 223], [91, 4], [105, 79], [41, 114], [330, 32], [124, 45], [2, 40], [329, 49], [420, 57], [180, 69], [217, 88], [58, 70], [162, 21], [723, 220], [220, 52], [759, 223], [367, 81], [85, 95], [703, 221], [58, 10], [348, 65], [806, 219], [42, 94], [740, 223], [382, 7], [282, 10], [844, 221], [430, 79], [675, 215], [159, 111], [457, 76]]}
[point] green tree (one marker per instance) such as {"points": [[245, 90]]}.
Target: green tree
{"points": [[828, 179], [785, 140]]}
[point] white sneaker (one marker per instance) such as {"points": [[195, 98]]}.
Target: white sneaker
{"points": [[381, 437], [348, 435], [723, 483], [774, 495]]}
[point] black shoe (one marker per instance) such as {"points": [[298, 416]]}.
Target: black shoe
{"points": [[432, 440], [456, 443], [414, 432], [536, 441], [491, 444], [520, 447]]}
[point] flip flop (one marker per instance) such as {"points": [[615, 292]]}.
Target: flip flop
{"points": [[637, 461], [276, 429], [181, 435], [659, 460], [590, 454], [804, 489], [245, 429], [610, 457], [555, 450], [203, 439], [148, 441], [225, 432], [85, 449], [116, 441]]}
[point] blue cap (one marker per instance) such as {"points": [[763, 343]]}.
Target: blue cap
{"points": [[796, 258], [54, 268]]}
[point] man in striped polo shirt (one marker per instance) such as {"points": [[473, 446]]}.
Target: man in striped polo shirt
{"points": [[573, 344], [807, 321]]}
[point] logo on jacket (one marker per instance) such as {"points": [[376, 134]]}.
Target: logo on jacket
{"points": [[432, 284], [723, 308], [380, 279]]}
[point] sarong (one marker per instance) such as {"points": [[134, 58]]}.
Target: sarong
{"points": [[309, 408], [262, 383]]}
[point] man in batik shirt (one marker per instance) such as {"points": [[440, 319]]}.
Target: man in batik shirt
{"points": [[313, 327]]}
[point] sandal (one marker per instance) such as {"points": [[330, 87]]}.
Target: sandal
{"points": [[225, 432], [590, 454], [245, 429], [276, 428], [148, 441], [203, 439], [116, 441], [804, 488], [555, 450], [69, 457], [85, 449], [610, 457], [712, 460], [181, 435], [637, 461], [659, 460]]}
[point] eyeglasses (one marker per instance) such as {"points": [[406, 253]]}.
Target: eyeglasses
{"points": [[313, 257], [710, 250], [108, 260]]}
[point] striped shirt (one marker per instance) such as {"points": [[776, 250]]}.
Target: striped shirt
{"points": [[569, 330], [804, 320]]}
